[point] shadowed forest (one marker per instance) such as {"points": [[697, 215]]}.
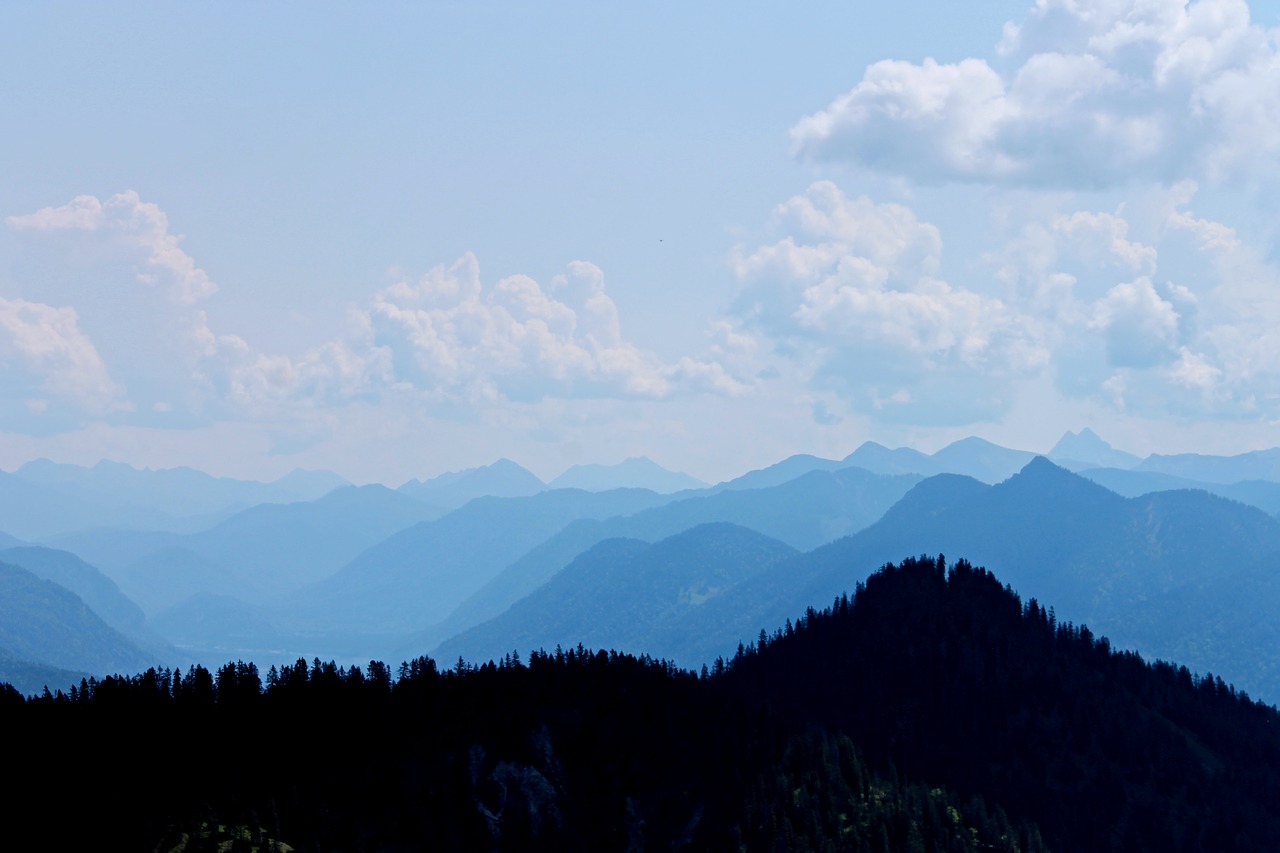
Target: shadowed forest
{"points": [[931, 711]]}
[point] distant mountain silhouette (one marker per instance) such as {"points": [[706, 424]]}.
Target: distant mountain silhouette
{"points": [[881, 460], [1263, 494], [173, 574], [307, 484], [779, 472], [973, 457], [980, 459], [282, 547], [803, 512], [1257, 465], [32, 511], [620, 591], [171, 491], [502, 479], [416, 577], [1084, 449], [265, 550], [634, 473]]}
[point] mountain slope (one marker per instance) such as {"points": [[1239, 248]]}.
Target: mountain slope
{"points": [[618, 593], [502, 479], [31, 679], [44, 623], [803, 512], [268, 549], [92, 586], [949, 677], [417, 576], [779, 472], [281, 547], [1263, 494], [1155, 573], [980, 459], [172, 574], [1085, 449]]}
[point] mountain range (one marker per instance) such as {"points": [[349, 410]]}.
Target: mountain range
{"points": [[1173, 566]]}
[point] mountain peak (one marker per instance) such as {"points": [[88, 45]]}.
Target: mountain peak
{"points": [[634, 472], [502, 478], [1042, 477], [1085, 449], [981, 459]]}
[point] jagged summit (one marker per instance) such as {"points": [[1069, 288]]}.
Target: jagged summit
{"points": [[1085, 449]]}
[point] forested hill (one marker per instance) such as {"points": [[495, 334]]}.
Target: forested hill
{"points": [[933, 711], [950, 677]]}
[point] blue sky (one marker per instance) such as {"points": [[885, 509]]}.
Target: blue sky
{"points": [[410, 239]]}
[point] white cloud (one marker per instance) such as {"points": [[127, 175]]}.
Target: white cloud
{"points": [[1179, 322], [1103, 93], [446, 339], [1103, 238], [849, 290], [1140, 328], [134, 224], [47, 343], [447, 333]]}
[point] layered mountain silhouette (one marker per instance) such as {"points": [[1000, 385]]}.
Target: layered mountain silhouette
{"points": [[1263, 494], [634, 473], [43, 623], [803, 512], [75, 575], [416, 577], [1152, 559], [621, 591], [183, 491], [266, 550], [502, 479], [1257, 465], [1161, 573]]}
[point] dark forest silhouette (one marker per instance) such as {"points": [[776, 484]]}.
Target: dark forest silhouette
{"points": [[931, 711]]}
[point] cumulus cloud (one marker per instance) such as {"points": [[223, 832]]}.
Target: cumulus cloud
{"points": [[1139, 327], [850, 287], [133, 225], [1192, 334], [444, 339], [1100, 93], [46, 343], [850, 295], [447, 332]]}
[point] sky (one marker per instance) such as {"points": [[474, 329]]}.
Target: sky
{"points": [[403, 239]]}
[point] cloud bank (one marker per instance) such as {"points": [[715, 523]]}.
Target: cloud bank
{"points": [[1095, 94], [128, 333]]}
